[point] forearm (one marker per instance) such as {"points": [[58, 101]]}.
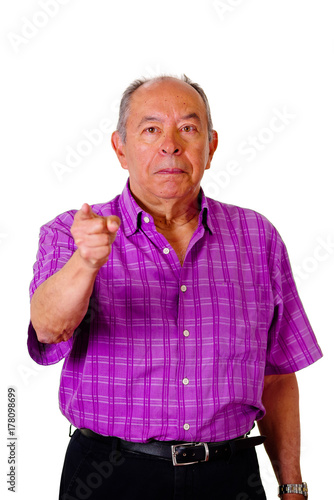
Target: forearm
{"points": [[61, 302], [281, 425]]}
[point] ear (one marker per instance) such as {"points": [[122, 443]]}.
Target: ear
{"points": [[213, 144], [119, 148]]}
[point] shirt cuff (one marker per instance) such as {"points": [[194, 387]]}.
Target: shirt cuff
{"points": [[47, 354]]}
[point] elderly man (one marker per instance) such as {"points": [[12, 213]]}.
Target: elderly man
{"points": [[178, 319]]}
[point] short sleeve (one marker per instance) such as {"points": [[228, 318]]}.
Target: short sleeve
{"points": [[56, 247], [292, 344]]}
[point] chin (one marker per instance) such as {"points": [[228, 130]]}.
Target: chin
{"points": [[169, 192]]}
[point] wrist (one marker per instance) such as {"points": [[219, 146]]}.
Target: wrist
{"points": [[85, 266], [292, 496]]}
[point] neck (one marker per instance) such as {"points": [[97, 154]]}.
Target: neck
{"points": [[171, 213], [171, 221]]}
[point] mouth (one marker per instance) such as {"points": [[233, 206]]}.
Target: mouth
{"points": [[171, 171]]}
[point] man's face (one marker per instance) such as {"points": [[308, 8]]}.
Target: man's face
{"points": [[167, 147]]}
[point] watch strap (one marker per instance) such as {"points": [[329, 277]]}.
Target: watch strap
{"points": [[300, 489]]}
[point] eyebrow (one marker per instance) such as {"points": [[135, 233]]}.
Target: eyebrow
{"points": [[191, 115], [149, 119], [157, 119]]}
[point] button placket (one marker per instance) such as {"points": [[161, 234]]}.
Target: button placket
{"points": [[185, 381]]}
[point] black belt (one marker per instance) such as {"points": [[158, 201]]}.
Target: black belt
{"points": [[181, 453]]}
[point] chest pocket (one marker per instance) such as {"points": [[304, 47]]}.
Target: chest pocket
{"points": [[243, 318]]}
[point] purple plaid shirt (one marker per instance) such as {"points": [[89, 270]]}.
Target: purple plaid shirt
{"points": [[175, 352]]}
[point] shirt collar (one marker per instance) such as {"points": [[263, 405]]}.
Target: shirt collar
{"points": [[133, 213], [205, 212]]}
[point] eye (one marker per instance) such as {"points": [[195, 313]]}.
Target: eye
{"points": [[151, 130], [188, 128]]}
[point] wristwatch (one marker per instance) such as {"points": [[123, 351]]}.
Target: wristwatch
{"points": [[301, 489]]}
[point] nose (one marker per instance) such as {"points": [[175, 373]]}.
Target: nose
{"points": [[170, 145]]}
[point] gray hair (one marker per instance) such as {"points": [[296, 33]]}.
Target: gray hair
{"points": [[124, 108]]}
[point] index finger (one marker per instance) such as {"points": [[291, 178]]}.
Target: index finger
{"points": [[86, 212]]}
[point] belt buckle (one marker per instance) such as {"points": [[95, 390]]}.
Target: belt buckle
{"points": [[174, 454]]}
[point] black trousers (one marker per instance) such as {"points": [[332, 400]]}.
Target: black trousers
{"points": [[96, 471]]}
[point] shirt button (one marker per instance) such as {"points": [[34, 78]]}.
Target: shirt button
{"points": [[186, 427], [166, 250], [185, 381], [186, 333], [183, 288], [146, 219]]}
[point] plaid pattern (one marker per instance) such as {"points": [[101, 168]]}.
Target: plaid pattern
{"points": [[175, 352]]}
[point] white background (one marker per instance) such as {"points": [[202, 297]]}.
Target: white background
{"points": [[64, 68]]}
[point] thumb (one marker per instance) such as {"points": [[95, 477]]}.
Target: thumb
{"points": [[113, 223]]}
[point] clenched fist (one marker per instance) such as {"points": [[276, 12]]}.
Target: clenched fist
{"points": [[94, 235]]}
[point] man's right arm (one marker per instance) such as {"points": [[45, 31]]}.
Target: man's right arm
{"points": [[60, 303]]}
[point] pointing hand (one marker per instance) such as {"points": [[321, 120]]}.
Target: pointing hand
{"points": [[94, 235]]}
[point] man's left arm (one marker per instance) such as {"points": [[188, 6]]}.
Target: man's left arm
{"points": [[281, 425]]}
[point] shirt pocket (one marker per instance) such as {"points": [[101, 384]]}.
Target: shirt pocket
{"points": [[242, 322]]}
